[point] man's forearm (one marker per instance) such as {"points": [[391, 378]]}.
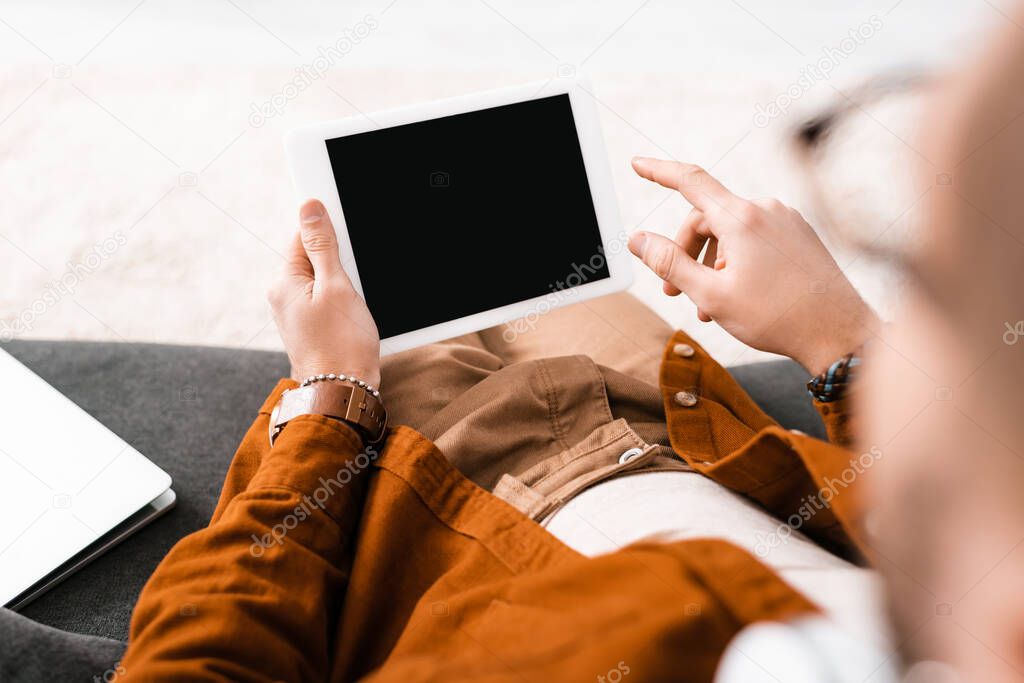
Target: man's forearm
{"points": [[250, 597]]}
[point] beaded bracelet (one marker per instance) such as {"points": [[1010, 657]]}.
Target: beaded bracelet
{"points": [[831, 385], [341, 378]]}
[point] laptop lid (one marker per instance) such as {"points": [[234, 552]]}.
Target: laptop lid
{"points": [[65, 479]]}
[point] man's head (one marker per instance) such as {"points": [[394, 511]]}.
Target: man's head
{"points": [[945, 388]]}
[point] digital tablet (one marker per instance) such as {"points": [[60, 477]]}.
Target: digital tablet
{"points": [[482, 210]]}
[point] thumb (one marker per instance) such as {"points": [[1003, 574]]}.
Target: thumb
{"points": [[671, 263], [319, 240]]}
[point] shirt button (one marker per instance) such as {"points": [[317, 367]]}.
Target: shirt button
{"points": [[684, 350], [631, 454], [686, 399]]}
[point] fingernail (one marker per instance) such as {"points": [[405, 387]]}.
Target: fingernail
{"points": [[636, 243], [639, 163], [311, 212]]}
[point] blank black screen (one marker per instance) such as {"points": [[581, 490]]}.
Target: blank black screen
{"points": [[457, 215]]}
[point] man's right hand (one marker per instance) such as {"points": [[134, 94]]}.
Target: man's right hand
{"points": [[766, 278]]}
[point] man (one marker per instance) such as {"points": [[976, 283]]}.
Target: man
{"points": [[944, 389], [459, 547]]}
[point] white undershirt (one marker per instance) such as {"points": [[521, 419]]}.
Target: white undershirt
{"points": [[673, 506]]}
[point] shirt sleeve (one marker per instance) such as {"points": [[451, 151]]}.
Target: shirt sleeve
{"points": [[838, 419], [251, 597]]}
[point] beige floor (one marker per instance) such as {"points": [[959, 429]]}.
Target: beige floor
{"points": [[140, 203]]}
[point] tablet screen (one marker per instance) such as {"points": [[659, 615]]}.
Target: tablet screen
{"points": [[461, 214]]}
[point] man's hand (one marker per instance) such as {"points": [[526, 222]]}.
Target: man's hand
{"points": [[323, 322], [766, 278]]}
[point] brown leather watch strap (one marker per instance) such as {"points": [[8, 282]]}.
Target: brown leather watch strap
{"points": [[338, 400]]}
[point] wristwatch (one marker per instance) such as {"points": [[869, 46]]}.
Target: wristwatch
{"points": [[349, 403]]}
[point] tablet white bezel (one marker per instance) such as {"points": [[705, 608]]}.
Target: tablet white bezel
{"points": [[313, 176]]}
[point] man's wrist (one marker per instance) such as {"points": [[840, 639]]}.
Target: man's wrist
{"points": [[832, 382], [369, 375], [836, 339], [342, 399], [823, 358]]}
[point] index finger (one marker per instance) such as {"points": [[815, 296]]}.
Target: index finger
{"points": [[698, 186]]}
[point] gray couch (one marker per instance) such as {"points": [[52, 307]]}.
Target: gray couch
{"points": [[186, 408]]}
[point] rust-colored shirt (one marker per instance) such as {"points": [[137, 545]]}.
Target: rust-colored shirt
{"points": [[325, 560]]}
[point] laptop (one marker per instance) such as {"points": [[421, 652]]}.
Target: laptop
{"points": [[70, 489]]}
